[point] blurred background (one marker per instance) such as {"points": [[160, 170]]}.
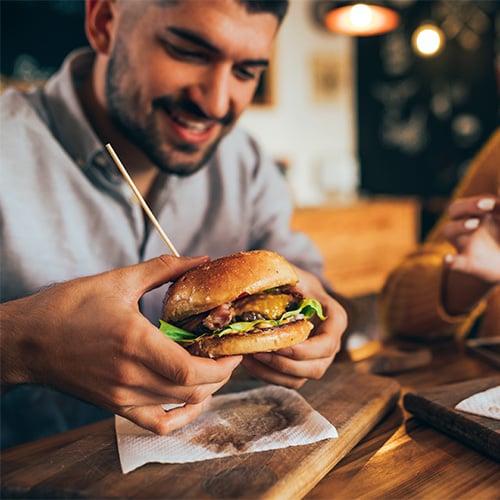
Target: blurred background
{"points": [[373, 129]]}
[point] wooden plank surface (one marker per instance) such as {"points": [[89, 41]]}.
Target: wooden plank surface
{"points": [[404, 457], [361, 241], [84, 462], [436, 406]]}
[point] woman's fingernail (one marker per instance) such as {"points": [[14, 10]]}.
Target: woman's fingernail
{"points": [[486, 204], [448, 258], [471, 223]]}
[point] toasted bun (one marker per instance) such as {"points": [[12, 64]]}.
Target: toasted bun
{"points": [[222, 280], [267, 340]]}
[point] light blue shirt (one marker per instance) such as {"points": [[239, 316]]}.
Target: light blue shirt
{"points": [[66, 212]]}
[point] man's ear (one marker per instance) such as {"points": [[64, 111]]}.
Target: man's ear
{"points": [[99, 20]]}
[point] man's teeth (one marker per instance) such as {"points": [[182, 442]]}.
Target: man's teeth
{"points": [[194, 126]]}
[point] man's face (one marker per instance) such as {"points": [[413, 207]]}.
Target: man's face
{"points": [[180, 76]]}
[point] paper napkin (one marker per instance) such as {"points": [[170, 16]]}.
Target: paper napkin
{"points": [[485, 403], [266, 418]]}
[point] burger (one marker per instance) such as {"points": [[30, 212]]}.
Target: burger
{"points": [[243, 303]]}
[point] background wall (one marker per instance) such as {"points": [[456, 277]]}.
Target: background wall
{"points": [[311, 122]]}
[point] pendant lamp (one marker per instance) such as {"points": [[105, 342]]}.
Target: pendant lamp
{"points": [[356, 18]]}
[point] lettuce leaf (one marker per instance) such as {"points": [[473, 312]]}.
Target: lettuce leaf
{"points": [[175, 333], [307, 308]]}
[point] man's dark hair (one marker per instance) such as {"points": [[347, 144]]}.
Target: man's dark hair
{"points": [[276, 7]]}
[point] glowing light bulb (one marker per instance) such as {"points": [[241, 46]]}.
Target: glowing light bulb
{"points": [[428, 40], [360, 15], [361, 20]]}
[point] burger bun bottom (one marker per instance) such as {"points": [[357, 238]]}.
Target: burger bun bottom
{"points": [[270, 339]]}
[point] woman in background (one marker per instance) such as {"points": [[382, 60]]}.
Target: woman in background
{"points": [[450, 286]]}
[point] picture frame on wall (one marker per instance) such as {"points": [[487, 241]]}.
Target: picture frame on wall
{"points": [[265, 93], [325, 78]]}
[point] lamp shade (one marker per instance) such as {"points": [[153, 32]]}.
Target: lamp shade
{"points": [[359, 18]]}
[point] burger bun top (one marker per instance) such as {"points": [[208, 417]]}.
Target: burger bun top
{"points": [[223, 280]]}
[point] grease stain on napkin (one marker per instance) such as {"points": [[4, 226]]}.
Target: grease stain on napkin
{"points": [[266, 418]]}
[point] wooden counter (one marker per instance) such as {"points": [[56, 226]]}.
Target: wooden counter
{"points": [[401, 457], [404, 457], [361, 241]]}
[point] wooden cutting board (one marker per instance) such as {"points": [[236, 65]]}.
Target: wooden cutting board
{"points": [[84, 463], [436, 407]]}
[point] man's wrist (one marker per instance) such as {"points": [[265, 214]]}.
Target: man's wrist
{"points": [[12, 367]]}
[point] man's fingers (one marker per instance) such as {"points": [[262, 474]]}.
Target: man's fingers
{"points": [[159, 391], [174, 363], [270, 375], [160, 421], [293, 367]]}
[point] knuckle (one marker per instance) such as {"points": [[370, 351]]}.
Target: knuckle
{"points": [[297, 384], [317, 372], [183, 375], [161, 426], [118, 397], [197, 395], [343, 318], [121, 338]]}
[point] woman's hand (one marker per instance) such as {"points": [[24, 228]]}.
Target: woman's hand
{"points": [[474, 230]]}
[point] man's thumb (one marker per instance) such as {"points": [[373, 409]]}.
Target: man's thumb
{"points": [[160, 270]]}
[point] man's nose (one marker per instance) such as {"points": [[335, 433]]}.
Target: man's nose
{"points": [[213, 93]]}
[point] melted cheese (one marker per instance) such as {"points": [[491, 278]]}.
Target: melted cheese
{"points": [[271, 306]]}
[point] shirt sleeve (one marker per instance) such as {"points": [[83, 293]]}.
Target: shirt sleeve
{"points": [[272, 208], [411, 301]]}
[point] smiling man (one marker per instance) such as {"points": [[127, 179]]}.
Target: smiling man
{"points": [[173, 80], [164, 82]]}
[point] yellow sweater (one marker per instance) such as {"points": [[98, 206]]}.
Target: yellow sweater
{"points": [[411, 299]]}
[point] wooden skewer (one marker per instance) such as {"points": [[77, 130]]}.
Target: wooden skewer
{"points": [[143, 203]]}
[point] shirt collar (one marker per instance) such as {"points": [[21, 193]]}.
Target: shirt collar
{"points": [[69, 121]]}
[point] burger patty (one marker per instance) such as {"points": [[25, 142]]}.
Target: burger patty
{"points": [[267, 305]]}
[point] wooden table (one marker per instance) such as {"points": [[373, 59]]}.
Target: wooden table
{"points": [[403, 457], [400, 458]]}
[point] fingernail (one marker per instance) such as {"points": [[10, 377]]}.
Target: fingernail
{"points": [[486, 204], [448, 258], [471, 223]]}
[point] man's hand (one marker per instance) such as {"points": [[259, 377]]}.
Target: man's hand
{"points": [[293, 366], [474, 230], [88, 338]]}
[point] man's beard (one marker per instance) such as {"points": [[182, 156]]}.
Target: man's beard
{"points": [[146, 136]]}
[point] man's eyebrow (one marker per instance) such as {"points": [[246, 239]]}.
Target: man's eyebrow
{"points": [[256, 62], [198, 40], [190, 36]]}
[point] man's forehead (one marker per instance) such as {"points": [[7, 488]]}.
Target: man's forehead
{"points": [[218, 22]]}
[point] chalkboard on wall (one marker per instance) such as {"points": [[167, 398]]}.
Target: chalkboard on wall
{"points": [[421, 120]]}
